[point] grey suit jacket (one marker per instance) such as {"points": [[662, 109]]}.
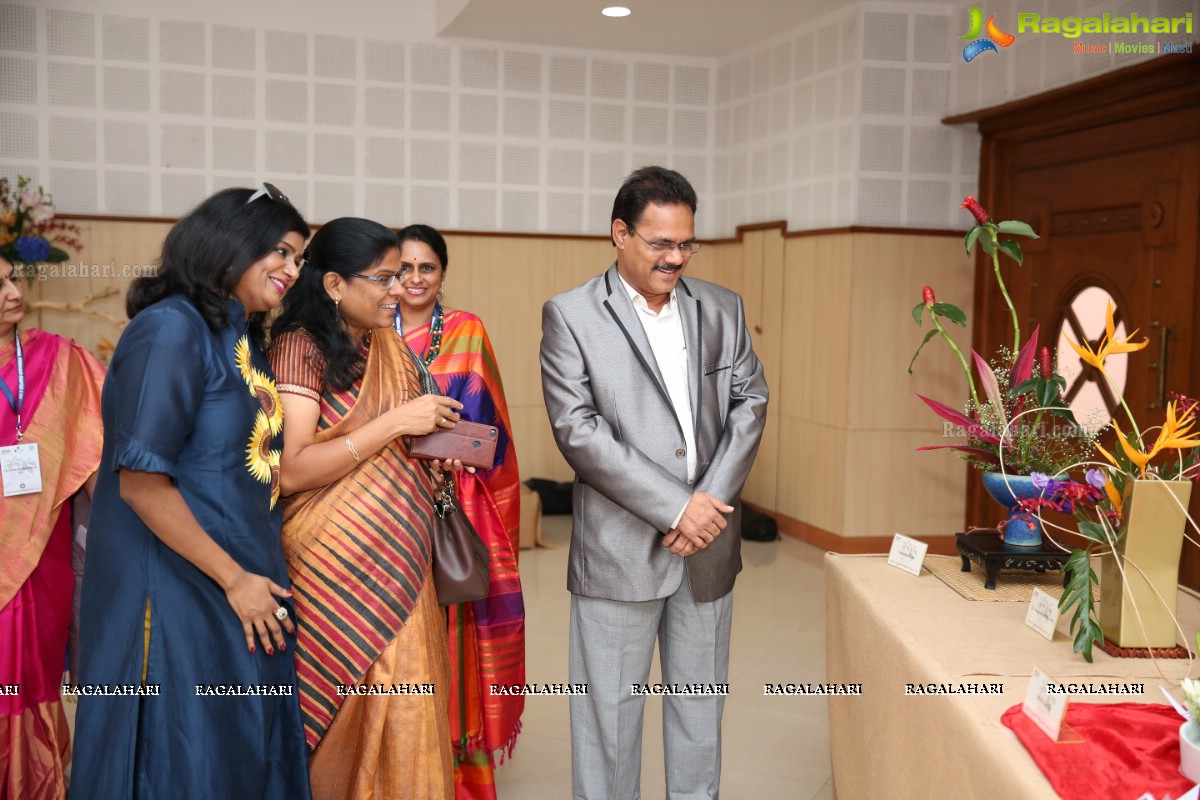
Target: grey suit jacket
{"points": [[614, 423]]}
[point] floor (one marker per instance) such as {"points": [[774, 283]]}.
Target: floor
{"points": [[774, 747]]}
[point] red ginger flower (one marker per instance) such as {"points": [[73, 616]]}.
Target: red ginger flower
{"points": [[972, 205], [1045, 364], [927, 296]]}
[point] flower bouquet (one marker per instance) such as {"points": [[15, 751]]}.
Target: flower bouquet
{"points": [[29, 233]]}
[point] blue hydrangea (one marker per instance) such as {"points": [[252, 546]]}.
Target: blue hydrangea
{"points": [[32, 249]]}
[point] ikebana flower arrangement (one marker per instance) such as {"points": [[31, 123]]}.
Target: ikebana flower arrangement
{"points": [[1130, 507], [29, 232], [1020, 424], [1148, 475]]}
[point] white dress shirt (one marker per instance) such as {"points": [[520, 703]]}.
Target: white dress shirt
{"points": [[665, 332]]}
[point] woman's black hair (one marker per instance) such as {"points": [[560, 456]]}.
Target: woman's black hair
{"points": [[206, 253], [343, 245], [428, 235]]}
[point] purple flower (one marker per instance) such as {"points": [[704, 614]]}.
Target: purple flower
{"points": [[1095, 477], [32, 249], [1039, 480]]}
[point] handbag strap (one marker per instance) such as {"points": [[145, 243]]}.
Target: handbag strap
{"points": [[446, 504]]}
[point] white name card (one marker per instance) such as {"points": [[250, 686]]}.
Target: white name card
{"points": [[1042, 615], [20, 469], [1046, 709], [907, 554]]}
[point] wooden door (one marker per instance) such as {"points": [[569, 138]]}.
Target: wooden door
{"points": [[1108, 174]]}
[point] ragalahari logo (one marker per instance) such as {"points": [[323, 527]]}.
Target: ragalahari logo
{"points": [[994, 37]]}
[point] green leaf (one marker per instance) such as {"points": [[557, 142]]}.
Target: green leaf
{"points": [[950, 312], [1046, 392], [971, 236], [1093, 530], [1017, 228], [1063, 412], [1060, 380], [988, 244], [1013, 250], [57, 256], [924, 342], [1079, 593], [1021, 389], [918, 314]]}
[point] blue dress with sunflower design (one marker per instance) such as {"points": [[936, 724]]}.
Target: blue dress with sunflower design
{"points": [[202, 408]]}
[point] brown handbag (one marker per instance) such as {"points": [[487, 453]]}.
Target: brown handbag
{"points": [[460, 558]]}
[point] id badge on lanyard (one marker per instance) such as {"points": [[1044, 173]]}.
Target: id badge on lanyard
{"points": [[20, 464]]}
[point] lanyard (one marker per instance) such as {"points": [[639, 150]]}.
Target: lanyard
{"points": [[19, 401]]}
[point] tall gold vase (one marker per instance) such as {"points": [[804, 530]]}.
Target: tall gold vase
{"points": [[1149, 549]]}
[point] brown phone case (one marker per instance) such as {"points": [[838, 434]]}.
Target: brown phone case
{"points": [[469, 442]]}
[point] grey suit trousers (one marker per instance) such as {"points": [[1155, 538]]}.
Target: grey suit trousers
{"points": [[612, 646]]}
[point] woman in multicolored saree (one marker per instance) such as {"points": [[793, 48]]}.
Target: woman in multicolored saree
{"points": [[57, 385], [487, 637], [357, 525]]}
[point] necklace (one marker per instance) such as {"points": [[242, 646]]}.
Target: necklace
{"points": [[434, 346], [435, 336]]}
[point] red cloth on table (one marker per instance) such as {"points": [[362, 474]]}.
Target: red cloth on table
{"points": [[1126, 749]]}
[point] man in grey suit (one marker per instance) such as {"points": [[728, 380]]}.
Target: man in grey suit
{"points": [[658, 403]]}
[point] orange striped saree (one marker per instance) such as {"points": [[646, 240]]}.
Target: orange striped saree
{"points": [[358, 555], [487, 637]]}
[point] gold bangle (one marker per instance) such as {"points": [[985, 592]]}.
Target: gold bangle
{"points": [[353, 452]]}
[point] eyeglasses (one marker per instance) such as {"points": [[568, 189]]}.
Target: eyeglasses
{"points": [[685, 248], [384, 281], [271, 191]]}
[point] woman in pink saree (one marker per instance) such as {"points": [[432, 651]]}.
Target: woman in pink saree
{"points": [[50, 399]]}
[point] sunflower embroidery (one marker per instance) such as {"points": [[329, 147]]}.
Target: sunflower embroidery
{"points": [[241, 358], [268, 397], [261, 460]]}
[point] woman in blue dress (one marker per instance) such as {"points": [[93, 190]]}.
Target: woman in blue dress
{"points": [[186, 670]]}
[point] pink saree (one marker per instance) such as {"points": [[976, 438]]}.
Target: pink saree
{"points": [[62, 415]]}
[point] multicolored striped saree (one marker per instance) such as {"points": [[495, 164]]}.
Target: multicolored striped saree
{"points": [[487, 637], [358, 554]]}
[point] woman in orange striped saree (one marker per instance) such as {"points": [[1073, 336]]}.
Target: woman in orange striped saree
{"points": [[371, 661], [487, 637], [56, 385]]}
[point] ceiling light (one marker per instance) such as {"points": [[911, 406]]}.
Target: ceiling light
{"points": [[616, 11]]}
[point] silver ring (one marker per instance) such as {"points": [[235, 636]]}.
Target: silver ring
{"points": [[281, 613], [442, 420]]}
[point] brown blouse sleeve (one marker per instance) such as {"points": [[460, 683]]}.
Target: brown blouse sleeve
{"points": [[298, 364]]}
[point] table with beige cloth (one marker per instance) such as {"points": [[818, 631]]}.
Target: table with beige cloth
{"points": [[885, 628]]}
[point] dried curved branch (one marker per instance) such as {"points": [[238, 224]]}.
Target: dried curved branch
{"points": [[82, 306]]}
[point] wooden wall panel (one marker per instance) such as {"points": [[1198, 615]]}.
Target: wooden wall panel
{"points": [[889, 273], [113, 254], [812, 384], [915, 493]]}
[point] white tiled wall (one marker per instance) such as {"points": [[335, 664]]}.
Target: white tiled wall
{"points": [[839, 123], [134, 115], [834, 123]]}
